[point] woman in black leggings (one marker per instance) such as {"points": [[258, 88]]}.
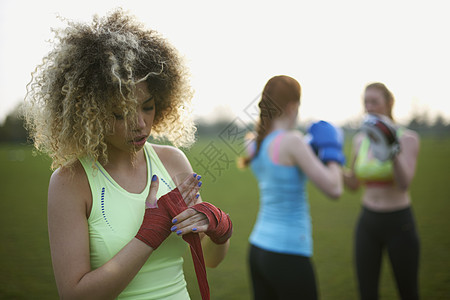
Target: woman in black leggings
{"points": [[281, 276], [395, 232], [386, 221]]}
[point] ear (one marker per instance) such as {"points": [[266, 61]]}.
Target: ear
{"points": [[292, 108]]}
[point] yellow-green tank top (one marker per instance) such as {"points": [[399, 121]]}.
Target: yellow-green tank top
{"points": [[115, 218], [372, 169]]}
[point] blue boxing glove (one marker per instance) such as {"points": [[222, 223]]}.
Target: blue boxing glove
{"points": [[326, 141]]}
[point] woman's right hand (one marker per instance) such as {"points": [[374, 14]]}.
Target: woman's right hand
{"points": [[188, 188], [157, 220]]}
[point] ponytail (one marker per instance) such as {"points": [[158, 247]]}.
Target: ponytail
{"points": [[277, 93]]}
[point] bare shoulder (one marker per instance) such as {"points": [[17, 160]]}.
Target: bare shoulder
{"points": [[293, 137], [249, 136], [174, 160], [411, 135], [410, 138], [66, 177], [69, 186], [166, 152], [293, 145]]}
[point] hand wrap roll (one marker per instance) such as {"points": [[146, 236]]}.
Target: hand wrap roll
{"points": [[156, 226]]}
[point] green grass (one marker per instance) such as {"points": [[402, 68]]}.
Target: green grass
{"points": [[26, 271], [25, 265]]}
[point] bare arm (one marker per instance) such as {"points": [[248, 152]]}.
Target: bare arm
{"points": [[350, 180], [178, 166], [68, 198], [327, 178], [405, 162], [214, 253]]}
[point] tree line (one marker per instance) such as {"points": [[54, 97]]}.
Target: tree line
{"points": [[13, 131]]}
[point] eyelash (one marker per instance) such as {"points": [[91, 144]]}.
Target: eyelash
{"points": [[118, 117]]}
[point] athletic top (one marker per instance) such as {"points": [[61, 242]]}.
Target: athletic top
{"points": [[373, 170], [116, 217], [283, 223]]}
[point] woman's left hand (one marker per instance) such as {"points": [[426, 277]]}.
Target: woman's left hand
{"points": [[189, 221]]}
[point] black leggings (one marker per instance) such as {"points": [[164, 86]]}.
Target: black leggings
{"points": [[281, 276], [395, 231]]}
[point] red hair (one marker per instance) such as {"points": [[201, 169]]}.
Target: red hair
{"points": [[278, 92], [387, 94]]}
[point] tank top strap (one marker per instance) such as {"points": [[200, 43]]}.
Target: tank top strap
{"points": [[274, 138], [166, 182], [400, 131], [363, 150]]}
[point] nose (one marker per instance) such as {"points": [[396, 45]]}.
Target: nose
{"points": [[140, 122], [369, 106]]}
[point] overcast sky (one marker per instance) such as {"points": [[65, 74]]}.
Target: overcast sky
{"points": [[333, 48]]}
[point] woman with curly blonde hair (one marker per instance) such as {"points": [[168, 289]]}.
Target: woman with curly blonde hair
{"points": [[91, 106]]}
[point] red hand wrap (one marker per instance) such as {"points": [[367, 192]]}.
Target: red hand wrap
{"points": [[158, 220], [156, 225], [220, 227]]}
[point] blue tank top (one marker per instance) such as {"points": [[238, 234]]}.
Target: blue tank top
{"points": [[283, 223]]}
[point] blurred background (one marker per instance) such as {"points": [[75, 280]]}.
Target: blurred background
{"points": [[232, 48]]}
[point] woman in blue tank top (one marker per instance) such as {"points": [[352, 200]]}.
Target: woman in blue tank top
{"points": [[282, 161]]}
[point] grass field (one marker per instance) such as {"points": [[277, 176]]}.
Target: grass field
{"points": [[25, 267]]}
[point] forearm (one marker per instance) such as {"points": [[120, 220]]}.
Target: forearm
{"points": [[109, 280], [214, 253], [215, 233], [350, 180], [334, 184], [402, 173], [327, 178]]}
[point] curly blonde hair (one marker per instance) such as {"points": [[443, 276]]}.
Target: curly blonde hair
{"points": [[92, 70]]}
